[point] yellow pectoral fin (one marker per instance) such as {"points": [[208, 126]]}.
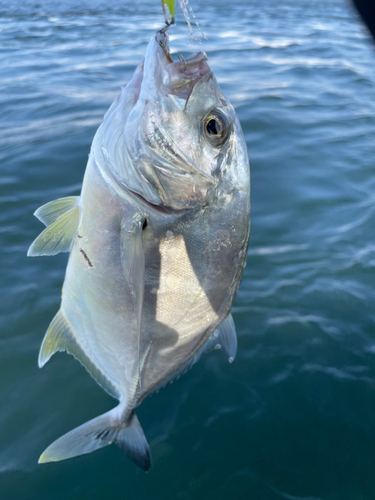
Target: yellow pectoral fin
{"points": [[58, 236]]}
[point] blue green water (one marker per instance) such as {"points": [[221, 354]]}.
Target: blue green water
{"points": [[294, 416]]}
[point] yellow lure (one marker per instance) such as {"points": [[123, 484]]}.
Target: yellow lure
{"points": [[169, 10]]}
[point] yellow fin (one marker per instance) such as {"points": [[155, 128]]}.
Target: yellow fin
{"points": [[57, 237], [60, 336], [52, 210]]}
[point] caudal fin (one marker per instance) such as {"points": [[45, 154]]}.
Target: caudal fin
{"points": [[98, 433]]}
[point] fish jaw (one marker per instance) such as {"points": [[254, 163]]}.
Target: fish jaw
{"points": [[162, 75]]}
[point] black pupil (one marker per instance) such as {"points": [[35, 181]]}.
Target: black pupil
{"points": [[213, 127]]}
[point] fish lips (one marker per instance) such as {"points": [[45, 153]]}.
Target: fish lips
{"points": [[161, 73], [184, 74]]}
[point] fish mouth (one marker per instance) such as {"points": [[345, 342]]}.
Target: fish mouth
{"points": [[178, 78]]}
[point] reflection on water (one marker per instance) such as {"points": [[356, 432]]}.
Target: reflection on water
{"points": [[294, 416]]}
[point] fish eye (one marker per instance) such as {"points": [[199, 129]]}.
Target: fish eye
{"points": [[216, 127]]}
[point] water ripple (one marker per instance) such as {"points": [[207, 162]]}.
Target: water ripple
{"points": [[295, 412]]}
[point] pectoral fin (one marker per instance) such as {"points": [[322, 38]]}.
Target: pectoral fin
{"points": [[133, 266], [58, 236]]}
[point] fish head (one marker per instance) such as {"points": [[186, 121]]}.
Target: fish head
{"points": [[172, 136]]}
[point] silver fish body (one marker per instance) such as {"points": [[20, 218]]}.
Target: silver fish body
{"points": [[157, 242]]}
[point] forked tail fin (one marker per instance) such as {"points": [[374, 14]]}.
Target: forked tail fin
{"points": [[98, 433]]}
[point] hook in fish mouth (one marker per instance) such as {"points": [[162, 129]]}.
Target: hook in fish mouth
{"points": [[181, 75], [162, 39]]}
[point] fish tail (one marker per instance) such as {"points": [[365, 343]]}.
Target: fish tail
{"points": [[100, 432]]}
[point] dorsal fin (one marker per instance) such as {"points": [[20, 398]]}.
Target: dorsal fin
{"points": [[52, 210], [58, 236], [60, 336], [227, 338]]}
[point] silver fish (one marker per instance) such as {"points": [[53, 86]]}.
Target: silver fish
{"points": [[157, 241]]}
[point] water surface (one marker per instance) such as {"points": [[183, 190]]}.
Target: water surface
{"points": [[294, 416]]}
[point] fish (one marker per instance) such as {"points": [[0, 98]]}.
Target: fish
{"points": [[158, 242]]}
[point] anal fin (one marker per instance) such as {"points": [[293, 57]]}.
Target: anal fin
{"points": [[60, 336]]}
